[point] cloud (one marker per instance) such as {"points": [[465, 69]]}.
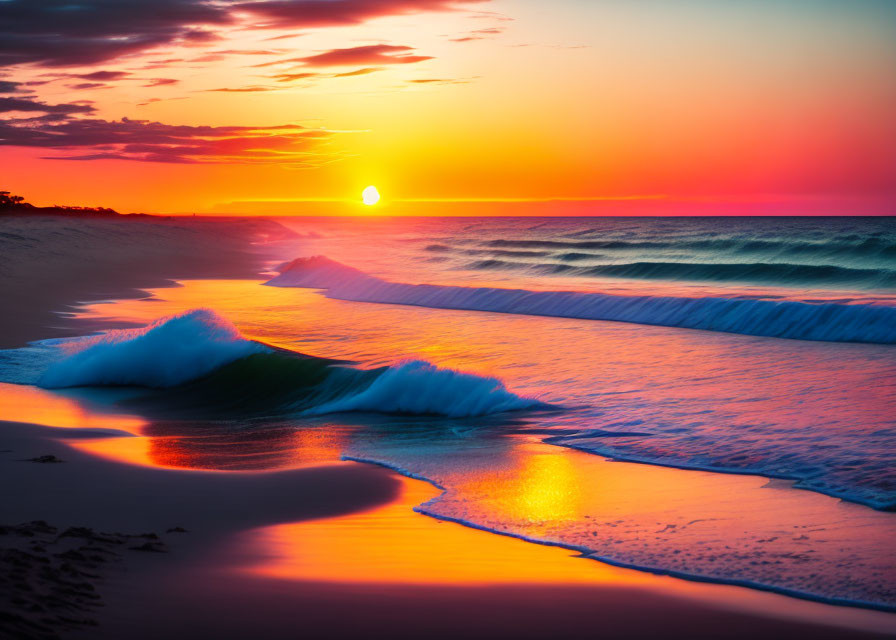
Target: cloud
{"points": [[89, 85], [103, 75], [372, 54], [439, 81], [479, 34], [161, 82], [328, 13], [59, 33], [290, 77], [65, 33], [147, 141], [8, 105], [309, 75], [252, 89], [8, 86], [357, 72]]}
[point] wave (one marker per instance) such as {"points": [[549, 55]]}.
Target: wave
{"points": [[441, 248], [772, 318], [770, 272], [858, 246], [168, 352], [421, 388], [285, 383], [199, 363]]}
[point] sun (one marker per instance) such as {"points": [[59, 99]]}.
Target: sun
{"points": [[370, 196]]}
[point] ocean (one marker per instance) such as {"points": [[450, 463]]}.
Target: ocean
{"points": [[710, 398]]}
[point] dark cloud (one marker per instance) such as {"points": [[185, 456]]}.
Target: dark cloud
{"points": [[104, 76], [28, 105], [67, 33], [326, 13], [88, 85], [8, 86], [146, 141]]}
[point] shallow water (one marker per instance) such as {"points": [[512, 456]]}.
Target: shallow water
{"points": [[816, 412]]}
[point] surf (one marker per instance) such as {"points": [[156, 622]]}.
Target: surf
{"points": [[198, 363], [833, 322]]}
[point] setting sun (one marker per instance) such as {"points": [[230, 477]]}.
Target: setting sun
{"points": [[370, 196]]}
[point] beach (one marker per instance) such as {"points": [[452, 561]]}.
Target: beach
{"points": [[190, 527], [50, 263], [198, 582]]}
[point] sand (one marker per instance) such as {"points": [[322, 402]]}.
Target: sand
{"points": [[50, 263]]}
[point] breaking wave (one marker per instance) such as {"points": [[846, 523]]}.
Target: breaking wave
{"points": [[773, 318], [421, 388], [168, 352], [198, 362]]}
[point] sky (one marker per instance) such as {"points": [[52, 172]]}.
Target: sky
{"points": [[451, 106]]}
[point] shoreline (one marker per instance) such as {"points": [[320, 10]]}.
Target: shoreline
{"points": [[588, 553], [222, 513]]}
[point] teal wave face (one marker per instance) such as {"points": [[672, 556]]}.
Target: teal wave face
{"points": [[199, 363]]}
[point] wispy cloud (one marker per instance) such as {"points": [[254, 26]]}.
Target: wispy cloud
{"points": [[161, 82], [85, 138], [291, 77], [479, 34], [357, 72], [439, 81], [370, 55], [251, 89], [103, 76]]}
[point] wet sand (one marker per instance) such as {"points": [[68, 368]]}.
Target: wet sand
{"points": [[218, 578], [43, 480]]}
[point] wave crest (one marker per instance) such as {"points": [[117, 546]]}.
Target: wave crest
{"points": [[166, 353], [773, 318], [421, 388], [203, 366]]}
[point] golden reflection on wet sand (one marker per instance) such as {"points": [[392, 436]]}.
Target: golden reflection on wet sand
{"points": [[23, 403], [394, 545]]}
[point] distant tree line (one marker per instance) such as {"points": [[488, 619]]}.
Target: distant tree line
{"points": [[11, 204]]}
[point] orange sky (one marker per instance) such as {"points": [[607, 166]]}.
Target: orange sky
{"points": [[692, 105]]}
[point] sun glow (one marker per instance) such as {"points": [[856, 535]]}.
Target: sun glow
{"points": [[370, 196]]}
